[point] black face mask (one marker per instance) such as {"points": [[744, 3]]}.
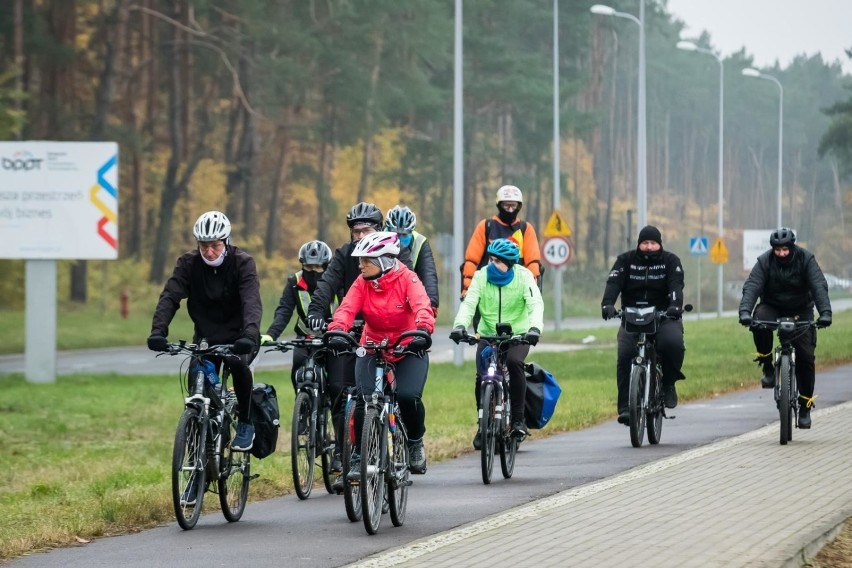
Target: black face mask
{"points": [[649, 256], [787, 258], [311, 279], [507, 217]]}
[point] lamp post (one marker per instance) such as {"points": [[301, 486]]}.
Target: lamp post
{"points": [[749, 72], [720, 226], [641, 138]]}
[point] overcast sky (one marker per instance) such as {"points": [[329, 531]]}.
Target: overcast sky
{"points": [[772, 30]]}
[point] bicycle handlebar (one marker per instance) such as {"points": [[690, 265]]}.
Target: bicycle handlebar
{"points": [[396, 348], [182, 347], [499, 338], [787, 326]]}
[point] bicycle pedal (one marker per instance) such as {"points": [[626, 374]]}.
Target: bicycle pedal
{"points": [[254, 476], [667, 417]]}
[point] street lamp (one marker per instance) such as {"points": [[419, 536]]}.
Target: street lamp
{"points": [[749, 72], [720, 226], [641, 138]]}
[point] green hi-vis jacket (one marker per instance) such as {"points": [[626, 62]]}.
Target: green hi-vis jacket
{"points": [[518, 303]]}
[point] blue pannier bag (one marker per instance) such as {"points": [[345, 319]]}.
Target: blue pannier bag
{"points": [[542, 395]]}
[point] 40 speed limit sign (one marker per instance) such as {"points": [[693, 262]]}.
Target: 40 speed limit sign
{"points": [[557, 251]]}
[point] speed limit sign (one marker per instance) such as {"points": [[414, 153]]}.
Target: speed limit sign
{"points": [[557, 251]]}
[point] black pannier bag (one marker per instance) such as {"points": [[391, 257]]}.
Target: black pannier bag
{"points": [[542, 395], [266, 418]]}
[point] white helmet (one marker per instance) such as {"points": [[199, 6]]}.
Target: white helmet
{"points": [[379, 244], [212, 226], [509, 193]]}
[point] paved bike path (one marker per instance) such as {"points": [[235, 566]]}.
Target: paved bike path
{"points": [[741, 501]]}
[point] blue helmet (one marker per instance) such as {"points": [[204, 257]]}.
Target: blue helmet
{"points": [[505, 250]]}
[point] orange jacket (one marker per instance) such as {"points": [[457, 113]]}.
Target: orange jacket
{"points": [[475, 257]]}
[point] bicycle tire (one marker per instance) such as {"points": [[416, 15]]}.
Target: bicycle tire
{"points": [[785, 408], [487, 428], [655, 409], [636, 405], [188, 468], [351, 490], [302, 443], [234, 476], [373, 449], [400, 476], [508, 451], [326, 442]]}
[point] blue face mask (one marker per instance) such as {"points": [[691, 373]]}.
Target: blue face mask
{"points": [[405, 240]]}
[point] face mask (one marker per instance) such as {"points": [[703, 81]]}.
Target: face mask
{"points": [[217, 262], [506, 216], [406, 240], [311, 279]]}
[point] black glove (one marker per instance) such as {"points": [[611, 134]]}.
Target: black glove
{"points": [[338, 343], [418, 344], [532, 336], [458, 334], [673, 312], [824, 320], [316, 323], [160, 343], [244, 345], [745, 319], [607, 312]]}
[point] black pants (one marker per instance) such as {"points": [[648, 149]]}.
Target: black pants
{"points": [[805, 345], [670, 352], [517, 378], [340, 370], [410, 376], [242, 380]]}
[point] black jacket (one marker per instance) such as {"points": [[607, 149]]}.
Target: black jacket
{"points": [[293, 297], [424, 266], [223, 302], [791, 287], [658, 280]]}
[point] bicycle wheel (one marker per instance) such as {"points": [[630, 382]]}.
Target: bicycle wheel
{"points": [[636, 405], [488, 429], [508, 450], [373, 459], [785, 401], [302, 445], [234, 476], [188, 475], [351, 490], [326, 442], [400, 477], [655, 409]]}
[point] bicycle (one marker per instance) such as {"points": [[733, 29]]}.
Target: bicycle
{"points": [[312, 434], [495, 408], [384, 440], [646, 403], [786, 390], [202, 453]]}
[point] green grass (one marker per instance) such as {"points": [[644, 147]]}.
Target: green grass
{"points": [[89, 456]]}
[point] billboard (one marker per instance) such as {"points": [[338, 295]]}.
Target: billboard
{"points": [[755, 243], [59, 200]]}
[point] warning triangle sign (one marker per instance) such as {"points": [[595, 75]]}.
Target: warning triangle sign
{"points": [[556, 226], [719, 252]]}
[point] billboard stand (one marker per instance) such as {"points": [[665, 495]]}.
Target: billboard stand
{"points": [[40, 327]]}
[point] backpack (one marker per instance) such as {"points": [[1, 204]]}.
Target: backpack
{"points": [[265, 417], [542, 395]]}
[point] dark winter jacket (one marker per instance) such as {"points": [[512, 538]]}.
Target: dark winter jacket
{"points": [[223, 302], [791, 287], [295, 298], [657, 280], [424, 265]]}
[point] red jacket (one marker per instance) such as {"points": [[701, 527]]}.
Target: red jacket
{"points": [[390, 305]]}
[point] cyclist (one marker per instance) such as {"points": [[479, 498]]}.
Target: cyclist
{"points": [[789, 282], [296, 297], [504, 292], [391, 300], [504, 225], [219, 282], [402, 221], [653, 276]]}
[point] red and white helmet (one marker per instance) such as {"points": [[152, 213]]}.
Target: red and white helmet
{"points": [[378, 244], [509, 193]]}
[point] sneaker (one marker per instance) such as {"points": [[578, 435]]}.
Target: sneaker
{"points": [[245, 437], [519, 429], [336, 463], [624, 417], [670, 394], [767, 381], [804, 415], [416, 456], [477, 441], [354, 468], [189, 495], [337, 484]]}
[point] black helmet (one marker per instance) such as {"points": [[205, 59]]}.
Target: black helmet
{"points": [[782, 237], [364, 213]]}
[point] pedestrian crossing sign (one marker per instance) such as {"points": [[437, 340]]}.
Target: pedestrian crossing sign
{"points": [[698, 246]]}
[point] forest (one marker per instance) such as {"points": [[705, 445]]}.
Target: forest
{"points": [[285, 113]]}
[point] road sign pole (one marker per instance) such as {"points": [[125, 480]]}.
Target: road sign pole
{"points": [[699, 287]]}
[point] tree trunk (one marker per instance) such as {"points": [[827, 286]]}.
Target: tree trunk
{"points": [[18, 56], [367, 156], [273, 226]]}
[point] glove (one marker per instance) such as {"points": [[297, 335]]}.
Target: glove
{"points": [[418, 344], [316, 323], [458, 334], [244, 345], [824, 320], [745, 319], [607, 312], [160, 343], [266, 339], [673, 312], [532, 336], [337, 343]]}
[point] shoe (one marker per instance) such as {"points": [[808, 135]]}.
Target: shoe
{"points": [[337, 484], [670, 394], [354, 468], [245, 437], [804, 415], [477, 441], [189, 495], [416, 456], [767, 381], [519, 429], [336, 463], [624, 417]]}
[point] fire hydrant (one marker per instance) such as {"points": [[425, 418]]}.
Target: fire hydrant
{"points": [[124, 308]]}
